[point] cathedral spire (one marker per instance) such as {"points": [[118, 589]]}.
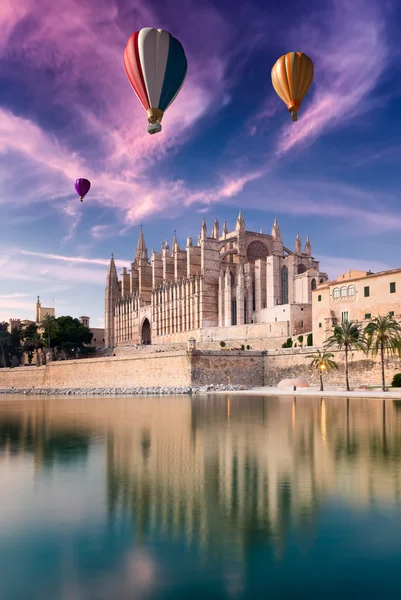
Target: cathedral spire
{"points": [[175, 238], [308, 247], [276, 233], [203, 229], [112, 271], [225, 230], [216, 230], [298, 245], [240, 226], [141, 250]]}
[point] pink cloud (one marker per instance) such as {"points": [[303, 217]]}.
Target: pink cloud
{"points": [[230, 187], [84, 44], [350, 54]]}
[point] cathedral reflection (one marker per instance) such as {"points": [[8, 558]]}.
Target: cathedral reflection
{"points": [[219, 470]]}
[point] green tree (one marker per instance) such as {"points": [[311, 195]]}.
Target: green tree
{"points": [[347, 336], [33, 344], [383, 336], [71, 335], [29, 331], [26, 337], [5, 343], [322, 361], [16, 343], [49, 324]]}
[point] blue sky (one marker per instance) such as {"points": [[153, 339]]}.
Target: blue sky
{"points": [[67, 111]]}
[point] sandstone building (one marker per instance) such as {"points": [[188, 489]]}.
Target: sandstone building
{"points": [[354, 296], [226, 281]]}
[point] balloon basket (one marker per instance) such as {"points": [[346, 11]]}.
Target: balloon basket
{"points": [[294, 116], [154, 128]]}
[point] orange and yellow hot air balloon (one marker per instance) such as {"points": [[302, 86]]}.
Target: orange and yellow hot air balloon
{"points": [[292, 76]]}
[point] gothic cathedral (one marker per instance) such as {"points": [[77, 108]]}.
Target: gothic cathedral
{"points": [[227, 280]]}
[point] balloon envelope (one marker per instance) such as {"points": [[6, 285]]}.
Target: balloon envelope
{"points": [[82, 187], [292, 76], [156, 67]]}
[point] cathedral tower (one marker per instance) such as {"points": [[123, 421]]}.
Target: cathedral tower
{"points": [[111, 298]]}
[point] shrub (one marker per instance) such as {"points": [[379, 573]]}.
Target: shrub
{"points": [[242, 347], [288, 343], [248, 347], [309, 339], [222, 344], [396, 380], [300, 339]]}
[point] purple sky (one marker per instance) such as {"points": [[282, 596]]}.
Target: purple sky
{"points": [[67, 111]]}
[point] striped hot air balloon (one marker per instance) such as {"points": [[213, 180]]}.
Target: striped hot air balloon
{"points": [[292, 76], [156, 66]]}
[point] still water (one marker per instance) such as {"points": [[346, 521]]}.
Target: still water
{"points": [[210, 497]]}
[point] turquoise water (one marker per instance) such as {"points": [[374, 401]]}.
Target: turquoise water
{"points": [[214, 497]]}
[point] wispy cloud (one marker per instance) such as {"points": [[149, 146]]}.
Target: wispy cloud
{"points": [[73, 259], [83, 45], [350, 54], [11, 296], [347, 203]]}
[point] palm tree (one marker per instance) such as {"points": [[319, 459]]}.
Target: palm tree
{"points": [[49, 324], [5, 342], [34, 343], [322, 361], [383, 336], [347, 336]]}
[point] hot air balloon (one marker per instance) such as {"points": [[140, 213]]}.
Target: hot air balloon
{"points": [[156, 66], [82, 187], [292, 76]]}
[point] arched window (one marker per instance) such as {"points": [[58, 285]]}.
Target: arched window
{"points": [[321, 280], [351, 291], [336, 293], [343, 292], [301, 269], [284, 285], [313, 284]]}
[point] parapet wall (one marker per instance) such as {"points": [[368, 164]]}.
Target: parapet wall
{"points": [[166, 369], [173, 369], [161, 370], [293, 362]]}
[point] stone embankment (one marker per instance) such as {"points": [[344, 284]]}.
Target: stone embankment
{"points": [[156, 391]]}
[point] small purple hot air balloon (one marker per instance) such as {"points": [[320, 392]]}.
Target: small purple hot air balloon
{"points": [[82, 187]]}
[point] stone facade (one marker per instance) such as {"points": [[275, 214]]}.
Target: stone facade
{"points": [[226, 281], [355, 296]]}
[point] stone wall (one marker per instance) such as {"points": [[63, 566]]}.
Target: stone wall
{"points": [[23, 377], [215, 367], [164, 369], [153, 370], [293, 362]]}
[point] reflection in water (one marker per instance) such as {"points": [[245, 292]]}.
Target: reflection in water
{"points": [[220, 476], [50, 446]]}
